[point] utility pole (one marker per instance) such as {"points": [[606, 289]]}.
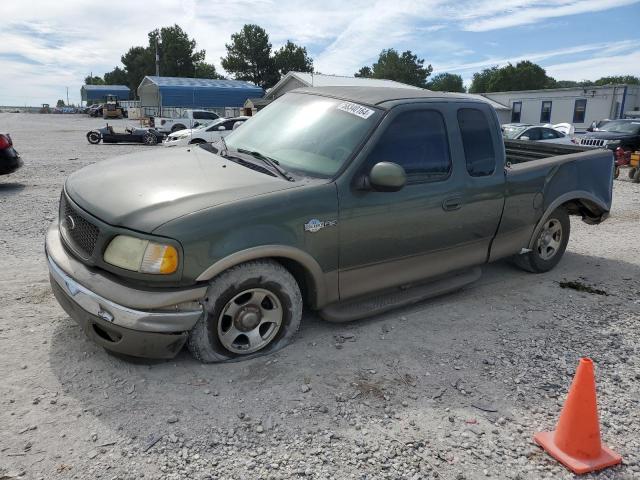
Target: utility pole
{"points": [[157, 57], [67, 96]]}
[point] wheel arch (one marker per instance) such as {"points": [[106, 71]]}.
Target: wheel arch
{"points": [[302, 266], [583, 203]]}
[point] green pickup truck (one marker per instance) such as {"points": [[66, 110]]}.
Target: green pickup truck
{"points": [[345, 200]]}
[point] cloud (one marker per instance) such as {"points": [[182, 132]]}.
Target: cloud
{"points": [[54, 44]]}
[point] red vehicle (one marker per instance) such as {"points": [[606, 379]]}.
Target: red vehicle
{"points": [[10, 160]]}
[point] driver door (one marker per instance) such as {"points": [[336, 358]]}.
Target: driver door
{"points": [[393, 238]]}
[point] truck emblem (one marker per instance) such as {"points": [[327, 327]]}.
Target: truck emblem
{"points": [[315, 225]]}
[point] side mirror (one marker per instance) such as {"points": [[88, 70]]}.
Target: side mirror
{"points": [[387, 177], [221, 128], [524, 138]]}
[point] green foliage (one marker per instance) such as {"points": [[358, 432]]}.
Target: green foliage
{"points": [[364, 72], [525, 75], [249, 57], [178, 58], [446, 82], [405, 68], [116, 77], [621, 79], [207, 70], [60, 103], [292, 58], [95, 80]]}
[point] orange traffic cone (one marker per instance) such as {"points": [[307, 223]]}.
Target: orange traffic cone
{"points": [[576, 440]]}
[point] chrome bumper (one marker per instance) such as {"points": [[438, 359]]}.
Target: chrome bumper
{"points": [[149, 321]]}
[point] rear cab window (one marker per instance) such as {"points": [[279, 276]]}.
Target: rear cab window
{"points": [[477, 140]]}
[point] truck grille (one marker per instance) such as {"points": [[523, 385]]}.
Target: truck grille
{"points": [[592, 142], [79, 231]]}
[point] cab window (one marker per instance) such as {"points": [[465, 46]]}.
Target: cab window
{"points": [[417, 141], [477, 141]]}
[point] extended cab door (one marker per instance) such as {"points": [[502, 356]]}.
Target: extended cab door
{"points": [[441, 221]]}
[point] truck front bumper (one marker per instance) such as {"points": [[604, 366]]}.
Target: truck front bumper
{"points": [[156, 326]]}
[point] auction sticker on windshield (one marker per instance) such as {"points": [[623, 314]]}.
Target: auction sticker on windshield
{"points": [[355, 109]]}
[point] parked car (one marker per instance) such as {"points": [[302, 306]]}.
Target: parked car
{"points": [[95, 110], [536, 133], [621, 136], [10, 160], [611, 134], [107, 134], [188, 119], [211, 132], [346, 200]]}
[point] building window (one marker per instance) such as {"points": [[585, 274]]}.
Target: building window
{"points": [[516, 110], [545, 112], [477, 142], [579, 110]]}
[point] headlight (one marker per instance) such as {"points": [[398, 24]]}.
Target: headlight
{"points": [[140, 255]]}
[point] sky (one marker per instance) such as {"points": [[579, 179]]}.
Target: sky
{"points": [[48, 46]]}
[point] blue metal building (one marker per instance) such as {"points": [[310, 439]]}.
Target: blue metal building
{"points": [[162, 92], [96, 93]]}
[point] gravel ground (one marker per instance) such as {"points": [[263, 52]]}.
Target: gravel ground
{"points": [[451, 388]]}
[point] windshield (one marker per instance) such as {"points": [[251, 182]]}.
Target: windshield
{"points": [[620, 127], [308, 133], [512, 131]]}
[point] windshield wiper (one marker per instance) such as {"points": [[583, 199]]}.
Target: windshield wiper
{"points": [[272, 162]]}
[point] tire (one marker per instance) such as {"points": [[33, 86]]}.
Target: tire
{"points": [[547, 250], [177, 127], [235, 301], [636, 177], [149, 139], [93, 138], [631, 173]]}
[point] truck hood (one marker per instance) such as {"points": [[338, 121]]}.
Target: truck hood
{"points": [[609, 135], [141, 191]]}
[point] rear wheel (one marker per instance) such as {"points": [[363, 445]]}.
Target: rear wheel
{"points": [[93, 137], [150, 139], [251, 309], [549, 245]]}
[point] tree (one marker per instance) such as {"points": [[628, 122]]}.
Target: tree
{"points": [[292, 58], [621, 79], [95, 80], [364, 72], [525, 75], [178, 58], [206, 70], [116, 77], [249, 57], [406, 68], [60, 103], [446, 82]]}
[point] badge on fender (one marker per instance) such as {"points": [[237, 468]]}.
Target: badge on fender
{"points": [[315, 225]]}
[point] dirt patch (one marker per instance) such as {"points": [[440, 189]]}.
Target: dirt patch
{"points": [[582, 287]]}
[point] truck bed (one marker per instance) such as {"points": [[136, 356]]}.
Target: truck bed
{"points": [[520, 151]]}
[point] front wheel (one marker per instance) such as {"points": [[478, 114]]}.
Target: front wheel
{"points": [[93, 138], [549, 245], [251, 309]]}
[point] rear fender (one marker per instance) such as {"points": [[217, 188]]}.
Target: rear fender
{"points": [[592, 210]]}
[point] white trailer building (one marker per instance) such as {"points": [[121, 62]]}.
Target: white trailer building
{"points": [[577, 105]]}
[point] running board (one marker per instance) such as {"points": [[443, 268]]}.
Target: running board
{"points": [[384, 301]]}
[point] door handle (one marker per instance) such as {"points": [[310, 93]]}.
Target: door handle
{"points": [[454, 203]]}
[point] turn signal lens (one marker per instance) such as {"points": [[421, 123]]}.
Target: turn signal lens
{"points": [[159, 259]]}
